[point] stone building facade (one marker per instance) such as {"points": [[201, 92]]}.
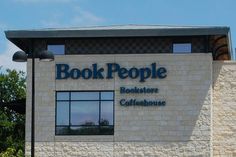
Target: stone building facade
{"points": [[192, 104]]}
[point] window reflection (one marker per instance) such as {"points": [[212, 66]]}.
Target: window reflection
{"points": [[62, 95], [85, 130], [85, 96], [85, 113], [56, 49], [106, 113], [182, 47], [106, 95], [62, 113], [62, 130]]}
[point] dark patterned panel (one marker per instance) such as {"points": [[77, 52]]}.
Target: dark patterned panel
{"points": [[118, 45], [39, 45], [198, 45], [134, 45]]}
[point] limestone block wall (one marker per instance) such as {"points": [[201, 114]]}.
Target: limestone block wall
{"points": [[181, 128], [224, 108]]}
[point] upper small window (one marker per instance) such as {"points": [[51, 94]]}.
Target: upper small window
{"points": [[182, 48], [57, 49]]}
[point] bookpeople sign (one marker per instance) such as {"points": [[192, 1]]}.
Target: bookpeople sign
{"points": [[64, 71]]}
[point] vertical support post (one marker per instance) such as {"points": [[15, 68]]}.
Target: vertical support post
{"points": [[33, 101]]}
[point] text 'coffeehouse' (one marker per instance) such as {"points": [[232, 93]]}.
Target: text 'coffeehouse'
{"points": [[132, 91]]}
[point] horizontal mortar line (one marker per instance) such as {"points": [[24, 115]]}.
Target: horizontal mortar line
{"points": [[82, 140]]}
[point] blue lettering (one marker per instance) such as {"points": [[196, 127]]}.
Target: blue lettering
{"points": [[87, 73], [154, 69], [112, 67], [122, 102], [133, 73], [62, 71], [123, 73], [161, 72], [75, 73], [122, 90], [144, 74], [97, 74]]}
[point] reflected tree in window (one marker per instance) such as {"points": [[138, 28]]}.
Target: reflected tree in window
{"points": [[85, 113]]}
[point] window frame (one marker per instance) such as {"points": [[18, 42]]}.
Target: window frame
{"points": [[100, 115]]}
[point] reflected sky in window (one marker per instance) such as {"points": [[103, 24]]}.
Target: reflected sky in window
{"points": [[62, 113], [57, 49], [85, 113], [62, 95], [85, 96], [106, 95], [107, 112], [182, 48]]}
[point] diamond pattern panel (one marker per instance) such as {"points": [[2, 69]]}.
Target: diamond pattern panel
{"points": [[39, 45], [135, 45], [198, 45], [118, 45]]}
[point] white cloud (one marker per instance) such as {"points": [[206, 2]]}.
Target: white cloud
{"points": [[2, 25], [79, 18], [84, 17], [51, 24], [6, 58]]}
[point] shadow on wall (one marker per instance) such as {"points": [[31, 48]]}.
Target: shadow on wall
{"points": [[183, 125]]}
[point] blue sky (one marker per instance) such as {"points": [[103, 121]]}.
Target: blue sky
{"points": [[31, 14]]}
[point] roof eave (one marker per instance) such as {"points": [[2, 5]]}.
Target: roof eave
{"points": [[21, 38], [114, 33]]}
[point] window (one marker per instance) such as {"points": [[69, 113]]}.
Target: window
{"points": [[56, 49], [180, 48], [85, 113]]}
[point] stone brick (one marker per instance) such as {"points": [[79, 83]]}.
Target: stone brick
{"points": [[181, 128], [224, 110]]}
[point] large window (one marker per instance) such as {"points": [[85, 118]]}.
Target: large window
{"points": [[179, 48], [85, 113]]}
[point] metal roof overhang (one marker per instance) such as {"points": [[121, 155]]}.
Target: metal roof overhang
{"points": [[23, 38], [77, 33]]}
